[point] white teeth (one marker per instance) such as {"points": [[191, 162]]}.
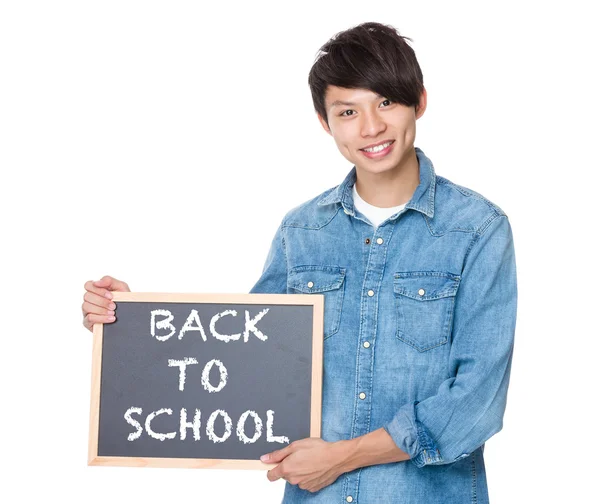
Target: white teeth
{"points": [[379, 148]]}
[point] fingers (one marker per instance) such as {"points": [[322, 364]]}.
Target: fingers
{"points": [[101, 292], [95, 309], [111, 284], [98, 306], [275, 473], [278, 455], [274, 458], [98, 301], [90, 319]]}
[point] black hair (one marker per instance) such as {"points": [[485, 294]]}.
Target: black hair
{"points": [[370, 56]]}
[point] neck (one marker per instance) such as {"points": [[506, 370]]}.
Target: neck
{"points": [[391, 188]]}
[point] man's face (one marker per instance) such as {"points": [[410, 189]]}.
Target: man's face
{"points": [[360, 118]]}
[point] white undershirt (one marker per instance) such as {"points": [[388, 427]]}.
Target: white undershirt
{"points": [[375, 214]]}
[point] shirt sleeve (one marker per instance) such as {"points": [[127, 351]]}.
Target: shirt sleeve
{"points": [[468, 407], [273, 279]]}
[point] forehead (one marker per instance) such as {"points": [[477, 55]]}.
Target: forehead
{"points": [[338, 96]]}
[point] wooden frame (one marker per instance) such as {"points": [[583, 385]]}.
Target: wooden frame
{"points": [[316, 300]]}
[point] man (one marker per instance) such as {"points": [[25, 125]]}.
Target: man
{"points": [[419, 280]]}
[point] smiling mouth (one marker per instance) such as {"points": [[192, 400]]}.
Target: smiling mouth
{"points": [[378, 148]]}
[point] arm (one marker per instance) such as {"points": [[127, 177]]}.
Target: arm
{"points": [[313, 464], [273, 279], [469, 406], [376, 447]]}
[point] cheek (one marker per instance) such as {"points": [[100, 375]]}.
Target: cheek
{"points": [[341, 141], [345, 144], [344, 151], [409, 128], [347, 140], [409, 135]]}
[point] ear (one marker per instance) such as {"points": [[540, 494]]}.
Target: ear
{"points": [[324, 123], [422, 104]]}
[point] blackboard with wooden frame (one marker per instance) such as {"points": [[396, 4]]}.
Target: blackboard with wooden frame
{"points": [[176, 372]]}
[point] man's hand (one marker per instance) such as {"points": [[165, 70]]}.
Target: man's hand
{"points": [[97, 301], [310, 463]]}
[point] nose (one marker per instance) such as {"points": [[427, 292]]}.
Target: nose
{"points": [[372, 124]]}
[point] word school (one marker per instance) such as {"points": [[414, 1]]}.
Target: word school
{"points": [[184, 424], [193, 324]]}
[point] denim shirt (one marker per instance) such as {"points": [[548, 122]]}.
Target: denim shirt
{"points": [[419, 326]]}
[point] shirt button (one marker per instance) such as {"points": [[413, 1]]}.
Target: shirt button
{"points": [[362, 395], [310, 285], [421, 292], [349, 498], [366, 344], [371, 293], [379, 241], [368, 240]]}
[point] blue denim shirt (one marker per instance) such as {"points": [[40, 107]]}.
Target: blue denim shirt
{"points": [[419, 327]]}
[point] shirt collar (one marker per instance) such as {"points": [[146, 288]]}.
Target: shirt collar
{"points": [[422, 199]]}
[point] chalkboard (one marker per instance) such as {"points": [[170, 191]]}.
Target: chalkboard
{"points": [[205, 380]]}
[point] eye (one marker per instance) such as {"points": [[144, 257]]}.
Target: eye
{"points": [[387, 100], [344, 112]]}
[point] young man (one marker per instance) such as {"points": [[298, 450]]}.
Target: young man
{"points": [[419, 279]]}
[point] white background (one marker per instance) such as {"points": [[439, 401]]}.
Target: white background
{"points": [[162, 143]]}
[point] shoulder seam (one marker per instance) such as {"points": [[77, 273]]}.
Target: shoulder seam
{"points": [[481, 231], [283, 242], [469, 192], [303, 226], [314, 200]]}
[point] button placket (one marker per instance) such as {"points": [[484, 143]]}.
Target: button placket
{"points": [[372, 283]]}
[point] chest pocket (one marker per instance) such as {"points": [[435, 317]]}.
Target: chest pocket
{"points": [[424, 305], [326, 280]]}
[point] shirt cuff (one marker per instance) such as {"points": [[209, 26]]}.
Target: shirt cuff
{"points": [[411, 436]]}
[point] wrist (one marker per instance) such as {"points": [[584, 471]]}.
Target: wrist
{"points": [[347, 454]]}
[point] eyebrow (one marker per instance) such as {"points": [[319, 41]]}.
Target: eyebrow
{"points": [[337, 103]]}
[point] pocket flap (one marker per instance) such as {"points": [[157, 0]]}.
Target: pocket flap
{"points": [[425, 285], [311, 279]]}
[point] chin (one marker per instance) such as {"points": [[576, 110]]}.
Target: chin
{"points": [[378, 167]]}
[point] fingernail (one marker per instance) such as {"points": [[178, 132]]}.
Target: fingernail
{"points": [[112, 319], [108, 295], [112, 306], [264, 458], [111, 312]]}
